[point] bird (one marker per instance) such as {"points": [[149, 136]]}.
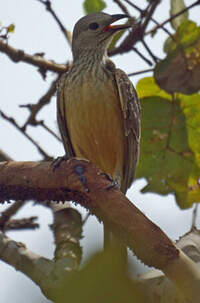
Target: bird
{"points": [[98, 111]]}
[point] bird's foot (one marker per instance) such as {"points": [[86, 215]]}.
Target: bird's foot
{"points": [[56, 162], [113, 184], [79, 170]]}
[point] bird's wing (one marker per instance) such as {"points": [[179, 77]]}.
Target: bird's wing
{"points": [[131, 112], [61, 116]]}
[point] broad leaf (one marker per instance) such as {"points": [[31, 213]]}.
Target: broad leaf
{"points": [[93, 6], [102, 279], [170, 145], [180, 70]]}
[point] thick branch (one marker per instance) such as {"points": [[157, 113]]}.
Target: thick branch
{"points": [[31, 264], [32, 180], [25, 180], [67, 230], [18, 55]]}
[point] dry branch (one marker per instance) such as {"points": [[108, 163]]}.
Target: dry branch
{"points": [[25, 180], [32, 180], [17, 55]]}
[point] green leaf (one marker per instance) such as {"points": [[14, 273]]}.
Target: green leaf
{"points": [[176, 7], [180, 70], [93, 6], [116, 37], [11, 28], [170, 145], [187, 35], [102, 279]]}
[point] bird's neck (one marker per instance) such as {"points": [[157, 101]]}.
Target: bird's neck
{"points": [[90, 56]]}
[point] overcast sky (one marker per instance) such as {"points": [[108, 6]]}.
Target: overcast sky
{"points": [[20, 83]]}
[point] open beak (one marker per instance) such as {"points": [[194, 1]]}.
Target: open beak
{"points": [[114, 28]]}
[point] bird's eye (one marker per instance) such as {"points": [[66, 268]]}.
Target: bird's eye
{"points": [[93, 26]]}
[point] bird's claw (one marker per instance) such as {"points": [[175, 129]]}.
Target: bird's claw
{"points": [[56, 162], [113, 183]]}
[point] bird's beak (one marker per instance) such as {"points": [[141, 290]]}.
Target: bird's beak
{"points": [[113, 28]]}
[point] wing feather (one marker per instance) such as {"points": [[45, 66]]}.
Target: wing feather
{"points": [[131, 112], [61, 117]]}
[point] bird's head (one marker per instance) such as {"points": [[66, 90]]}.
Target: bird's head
{"points": [[94, 32]]}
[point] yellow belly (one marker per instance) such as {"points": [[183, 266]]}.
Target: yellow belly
{"points": [[95, 125]]}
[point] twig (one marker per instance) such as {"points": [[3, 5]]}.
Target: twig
{"points": [[19, 224], [142, 56], [135, 6], [17, 55], [9, 212], [14, 123], [172, 17], [49, 130], [143, 13], [141, 72], [149, 14], [66, 33], [86, 217], [122, 6], [35, 108], [4, 156], [136, 34], [155, 59], [194, 216]]}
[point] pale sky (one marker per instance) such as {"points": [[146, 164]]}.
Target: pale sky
{"points": [[36, 31]]}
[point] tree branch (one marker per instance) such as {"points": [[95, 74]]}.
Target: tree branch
{"points": [[17, 55], [35, 108], [67, 230], [34, 266], [25, 180], [172, 17], [21, 129], [66, 33]]}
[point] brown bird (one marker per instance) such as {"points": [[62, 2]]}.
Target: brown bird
{"points": [[97, 106]]}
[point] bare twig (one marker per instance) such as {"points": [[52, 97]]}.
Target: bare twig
{"points": [[137, 32], [49, 130], [4, 156], [141, 72], [14, 123], [155, 59], [9, 212], [149, 13], [19, 224], [18, 55], [135, 6], [35, 108], [142, 56], [194, 216], [86, 218], [122, 6], [143, 13], [66, 33], [173, 17]]}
